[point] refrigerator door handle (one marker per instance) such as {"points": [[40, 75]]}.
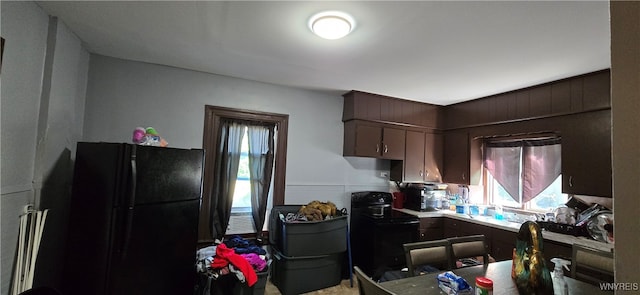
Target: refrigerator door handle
{"points": [[131, 204]]}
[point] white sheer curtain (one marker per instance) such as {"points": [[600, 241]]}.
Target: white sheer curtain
{"points": [[261, 159]]}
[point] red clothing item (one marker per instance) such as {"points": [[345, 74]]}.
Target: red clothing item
{"points": [[225, 256]]}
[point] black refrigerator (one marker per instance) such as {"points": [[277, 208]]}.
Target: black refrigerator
{"points": [[133, 220]]}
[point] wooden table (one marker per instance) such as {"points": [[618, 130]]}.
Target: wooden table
{"points": [[498, 272]]}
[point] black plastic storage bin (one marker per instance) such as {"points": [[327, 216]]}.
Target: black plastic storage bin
{"points": [[295, 275], [229, 285], [306, 238]]}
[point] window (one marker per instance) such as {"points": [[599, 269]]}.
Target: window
{"points": [[242, 193], [226, 151], [241, 221], [524, 173]]}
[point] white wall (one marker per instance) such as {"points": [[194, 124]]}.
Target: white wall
{"points": [[43, 86], [122, 95], [24, 27], [60, 129]]}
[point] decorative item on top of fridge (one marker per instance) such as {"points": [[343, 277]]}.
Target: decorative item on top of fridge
{"points": [[148, 136]]}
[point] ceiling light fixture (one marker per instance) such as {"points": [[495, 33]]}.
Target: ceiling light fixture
{"points": [[331, 24]]}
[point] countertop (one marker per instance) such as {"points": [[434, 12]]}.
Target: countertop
{"points": [[512, 226]]}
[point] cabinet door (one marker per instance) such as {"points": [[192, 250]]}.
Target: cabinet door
{"points": [[431, 228], [414, 157], [450, 228], [502, 244], [596, 92], [586, 154], [368, 141], [433, 157], [360, 105], [392, 143], [555, 249], [456, 157]]}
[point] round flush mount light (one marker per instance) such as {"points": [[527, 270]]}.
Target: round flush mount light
{"points": [[331, 24]]}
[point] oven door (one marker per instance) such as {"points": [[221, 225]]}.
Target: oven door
{"points": [[389, 237]]}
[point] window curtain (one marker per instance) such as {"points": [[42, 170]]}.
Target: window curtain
{"points": [[226, 171], [540, 160], [502, 160], [541, 166], [261, 159]]}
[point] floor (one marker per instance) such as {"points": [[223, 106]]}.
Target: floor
{"points": [[343, 288]]}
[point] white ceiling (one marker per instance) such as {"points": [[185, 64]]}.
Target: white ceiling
{"points": [[435, 52]]}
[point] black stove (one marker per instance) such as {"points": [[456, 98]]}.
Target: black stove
{"points": [[378, 232]]}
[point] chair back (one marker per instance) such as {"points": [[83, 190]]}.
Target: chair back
{"points": [[366, 286], [591, 265], [434, 253], [469, 247]]}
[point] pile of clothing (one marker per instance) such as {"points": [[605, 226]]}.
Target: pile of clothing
{"points": [[236, 256]]}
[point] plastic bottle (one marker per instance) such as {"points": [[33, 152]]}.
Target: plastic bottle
{"points": [[559, 284], [499, 212], [452, 202]]}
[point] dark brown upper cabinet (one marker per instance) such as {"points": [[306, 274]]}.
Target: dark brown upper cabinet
{"points": [[361, 105], [422, 158], [390, 110], [366, 139], [596, 91], [413, 168], [540, 101], [586, 154], [433, 157], [584, 93], [561, 97], [378, 108], [462, 158], [456, 157]]}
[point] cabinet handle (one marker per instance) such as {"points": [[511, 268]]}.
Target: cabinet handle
{"points": [[386, 149], [463, 174], [570, 181], [421, 173], [377, 147]]}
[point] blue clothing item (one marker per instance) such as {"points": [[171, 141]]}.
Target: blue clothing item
{"points": [[243, 246]]}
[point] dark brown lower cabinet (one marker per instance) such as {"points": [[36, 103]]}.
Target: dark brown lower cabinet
{"points": [[504, 241], [502, 244], [431, 228], [554, 249], [459, 228]]}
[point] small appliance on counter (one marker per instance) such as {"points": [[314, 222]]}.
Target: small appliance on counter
{"points": [[424, 197]]}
